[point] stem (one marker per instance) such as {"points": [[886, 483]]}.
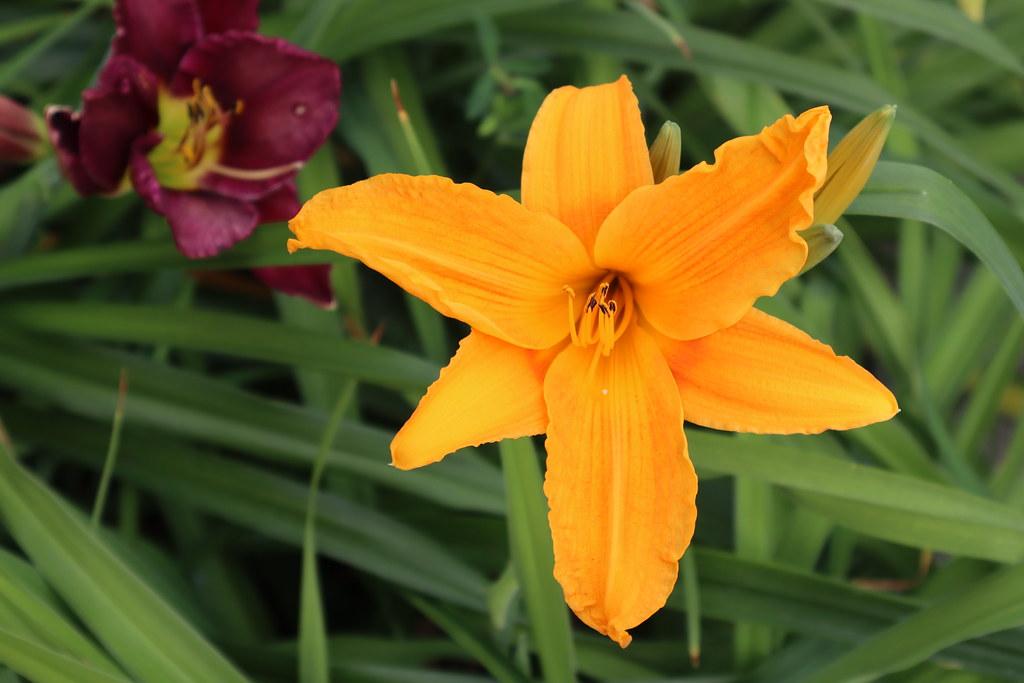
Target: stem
{"points": [[112, 449]]}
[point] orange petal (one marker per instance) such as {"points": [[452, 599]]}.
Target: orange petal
{"points": [[490, 391], [469, 253], [701, 247], [619, 482], [585, 153], [764, 375]]}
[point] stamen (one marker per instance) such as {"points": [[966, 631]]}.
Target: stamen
{"points": [[627, 313], [204, 116], [592, 370], [603, 321], [255, 173], [572, 314]]}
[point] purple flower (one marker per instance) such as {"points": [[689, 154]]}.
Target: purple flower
{"points": [[207, 120]]}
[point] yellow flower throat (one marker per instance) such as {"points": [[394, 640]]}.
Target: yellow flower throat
{"points": [[193, 133], [193, 137]]}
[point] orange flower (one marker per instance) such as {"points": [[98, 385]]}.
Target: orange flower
{"points": [[604, 308]]}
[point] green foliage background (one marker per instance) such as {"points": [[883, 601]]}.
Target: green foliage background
{"points": [[894, 552]]}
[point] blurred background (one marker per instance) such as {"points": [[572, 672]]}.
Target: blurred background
{"points": [[183, 404]]}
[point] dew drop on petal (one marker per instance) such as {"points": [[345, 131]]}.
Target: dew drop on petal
{"points": [[299, 109], [604, 392]]}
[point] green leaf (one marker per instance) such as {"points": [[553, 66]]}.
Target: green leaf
{"points": [[47, 625], [365, 24], [43, 665], [918, 193], [824, 608], [467, 637], [22, 206], [186, 403], [313, 664], [229, 333], [533, 557], [266, 247], [872, 501], [146, 635], [273, 505], [13, 65], [993, 604], [939, 20]]}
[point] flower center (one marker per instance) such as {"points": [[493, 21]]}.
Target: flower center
{"points": [[606, 314], [204, 117], [193, 133]]}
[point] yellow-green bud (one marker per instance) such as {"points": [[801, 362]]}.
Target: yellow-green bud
{"points": [[974, 9], [850, 165], [666, 151], [821, 240]]}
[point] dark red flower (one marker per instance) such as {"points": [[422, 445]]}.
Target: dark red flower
{"points": [[207, 120]]}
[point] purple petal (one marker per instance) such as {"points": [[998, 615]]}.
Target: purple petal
{"points": [[289, 96], [63, 124], [224, 15], [142, 174], [280, 205], [121, 108], [310, 282], [248, 190], [204, 224], [157, 32]]}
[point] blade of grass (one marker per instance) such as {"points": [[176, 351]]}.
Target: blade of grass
{"points": [[820, 607], [918, 193], [971, 327], [229, 333], [48, 626], [983, 403], [186, 403], [941, 21], [262, 248], [43, 665], [366, 24], [14, 65], [993, 604], [691, 597], [111, 459], [754, 521], [467, 638], [875, 502], [272, 505], [533, 557], [313, 665], [23, 204], [147, 636]]}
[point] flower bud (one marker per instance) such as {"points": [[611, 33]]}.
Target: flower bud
{"points": [[821, 240], [850, 165], [666, 151], [22, 133], [974, 9]]}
